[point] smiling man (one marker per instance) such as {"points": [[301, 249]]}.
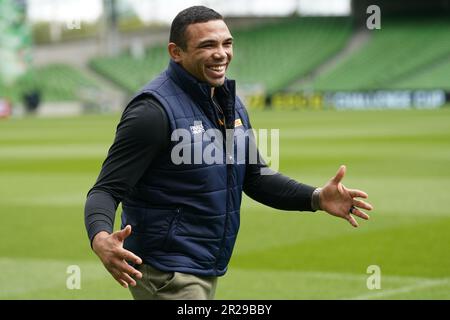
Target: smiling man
{"points": [[204, 50], [180, 220]]}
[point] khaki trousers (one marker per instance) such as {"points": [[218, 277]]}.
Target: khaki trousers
{"points": [[160, 285]]}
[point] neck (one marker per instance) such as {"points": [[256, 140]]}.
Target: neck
{"points": [[212, 91]]}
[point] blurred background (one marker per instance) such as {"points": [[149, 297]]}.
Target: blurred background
{"points": [[355, 82]]}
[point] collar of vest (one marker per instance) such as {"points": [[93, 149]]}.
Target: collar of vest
{"points": [[199, 91]]}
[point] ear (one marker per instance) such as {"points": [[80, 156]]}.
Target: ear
{"points": [[174, 52]]}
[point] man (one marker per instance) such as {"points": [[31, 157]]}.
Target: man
{"points": [[180, 220]]}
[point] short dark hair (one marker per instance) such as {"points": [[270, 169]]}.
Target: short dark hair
{"points": [[191, 15]]}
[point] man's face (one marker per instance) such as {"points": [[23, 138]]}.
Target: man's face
{"points": [[208, 52]]}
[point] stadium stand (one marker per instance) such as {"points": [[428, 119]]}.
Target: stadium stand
{"points": [[435, 77], [270, 55], [56, 82], [402, 49], [131, 73], [277, 54]]}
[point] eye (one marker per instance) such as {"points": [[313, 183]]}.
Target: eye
{"points": [[207, 45]]}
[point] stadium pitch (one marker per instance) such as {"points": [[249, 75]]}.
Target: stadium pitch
{"points": [[401, 158]]}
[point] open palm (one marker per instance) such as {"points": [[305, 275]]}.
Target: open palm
{"points": [[341, 202]]}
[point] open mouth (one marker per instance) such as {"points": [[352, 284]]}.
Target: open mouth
{"points": [[216, 71], [218, 68]]}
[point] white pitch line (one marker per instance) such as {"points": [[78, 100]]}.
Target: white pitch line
{"points": [[406, 289], [26, 275], [346, 276], [56, 151], [357, 277]]}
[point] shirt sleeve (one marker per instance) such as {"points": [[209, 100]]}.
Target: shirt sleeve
{"points": [[275, 189], [142, 133]]}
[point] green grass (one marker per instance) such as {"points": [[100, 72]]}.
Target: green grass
{"points": [[401, 158]]}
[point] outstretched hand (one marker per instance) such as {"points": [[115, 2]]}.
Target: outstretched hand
{"points": [[341, 202], [109, 248]]}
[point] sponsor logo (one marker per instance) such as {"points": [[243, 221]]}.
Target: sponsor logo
{"points": [[197, 128]]}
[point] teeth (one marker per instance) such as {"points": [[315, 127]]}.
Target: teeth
{"points": [[218, 68]]}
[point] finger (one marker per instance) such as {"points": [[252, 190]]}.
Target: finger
{"points": [[124, 233], [126, 268], [117, 275], [360, 214], [123, 278], [130, 256], [362, 204], [352, 220], [129, 280], [339, 175], [354, 193], [123, 283]]}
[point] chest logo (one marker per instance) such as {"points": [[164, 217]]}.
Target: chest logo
{"points": [[197, 127]]}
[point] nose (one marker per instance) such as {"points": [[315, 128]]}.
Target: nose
{"points": [[220, 53]]}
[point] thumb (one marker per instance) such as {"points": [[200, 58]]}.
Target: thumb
{"points": [[124, 233], [339, 175]]}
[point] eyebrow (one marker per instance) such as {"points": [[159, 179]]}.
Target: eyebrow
{"points": [[211, 41]]}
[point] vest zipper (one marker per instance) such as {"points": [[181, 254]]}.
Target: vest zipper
{"points": [[229, 166]]}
